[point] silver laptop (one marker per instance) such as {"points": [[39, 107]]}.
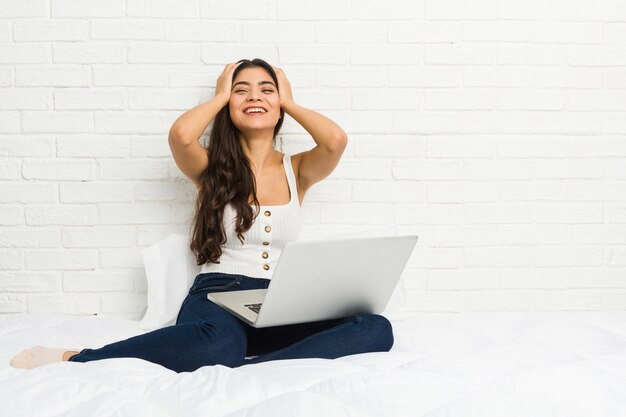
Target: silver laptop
{"points": [[323, 280]]}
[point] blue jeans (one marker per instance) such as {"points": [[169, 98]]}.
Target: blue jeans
{"points": [[205, 334]]}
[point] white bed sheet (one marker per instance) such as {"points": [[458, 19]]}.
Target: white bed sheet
{"points": [[472, 364]]}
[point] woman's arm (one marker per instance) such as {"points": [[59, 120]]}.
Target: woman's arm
{"points": [[191, 157], [190, 125], [324, 131], [316, 164]]}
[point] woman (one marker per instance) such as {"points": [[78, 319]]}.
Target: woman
{"points": [[247, 209]]}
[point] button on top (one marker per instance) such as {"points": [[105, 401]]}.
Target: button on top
{"points": [[265, 255], [267, 213], [268, 229]]}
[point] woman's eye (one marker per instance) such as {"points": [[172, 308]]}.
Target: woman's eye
{"points": [[244, 91]]}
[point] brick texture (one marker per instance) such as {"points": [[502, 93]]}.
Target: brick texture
{"points": [[493, 129]]}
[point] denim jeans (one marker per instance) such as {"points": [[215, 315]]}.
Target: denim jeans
{"points": [[205, 334]]}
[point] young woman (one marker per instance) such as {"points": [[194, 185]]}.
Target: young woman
{"points": [[247, 209]]}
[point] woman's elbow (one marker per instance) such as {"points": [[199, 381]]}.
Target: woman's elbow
{"points": [[341, 141]]}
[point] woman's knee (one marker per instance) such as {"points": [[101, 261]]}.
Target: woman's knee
{"points": [[379, 330], [228, 344]]}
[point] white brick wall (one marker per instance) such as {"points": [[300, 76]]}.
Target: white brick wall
{"points": [[493, 129]]}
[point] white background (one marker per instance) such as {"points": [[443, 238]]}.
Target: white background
{"points": [[493, 129]]}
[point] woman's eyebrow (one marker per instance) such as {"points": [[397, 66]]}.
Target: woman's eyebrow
{"points": [[247, 83]]}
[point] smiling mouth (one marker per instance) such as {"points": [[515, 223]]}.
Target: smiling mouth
{"points": [[255, 111]]}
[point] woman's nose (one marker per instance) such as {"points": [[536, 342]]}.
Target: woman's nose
{"points": [[253, 94]]}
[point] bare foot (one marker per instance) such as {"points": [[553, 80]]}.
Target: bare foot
{"points": [[37, 356]]}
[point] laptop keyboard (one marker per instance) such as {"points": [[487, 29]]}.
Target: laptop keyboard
{"points": [[254, 307]]}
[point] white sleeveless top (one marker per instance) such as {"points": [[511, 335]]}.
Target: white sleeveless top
{"points": [[264, 241]]}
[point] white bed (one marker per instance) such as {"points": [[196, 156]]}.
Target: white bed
{"points": [[478, 364]]}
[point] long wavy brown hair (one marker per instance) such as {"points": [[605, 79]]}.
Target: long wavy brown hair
{"points": [[228, 178]]}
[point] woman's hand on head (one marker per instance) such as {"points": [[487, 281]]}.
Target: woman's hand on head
{"points": [[284, 88], [224, 83]]}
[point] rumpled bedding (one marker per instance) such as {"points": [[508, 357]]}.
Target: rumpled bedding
{"points": [[564, 364]]}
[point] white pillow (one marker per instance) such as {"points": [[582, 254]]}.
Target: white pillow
{"points": [[170, 270]]}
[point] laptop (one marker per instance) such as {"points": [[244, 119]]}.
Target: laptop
{"points": [[322, 280]]}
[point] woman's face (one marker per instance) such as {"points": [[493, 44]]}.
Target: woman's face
{"points": [[254, 88]]}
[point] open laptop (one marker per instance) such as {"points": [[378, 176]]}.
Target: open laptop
{"points": [[323, 280]]}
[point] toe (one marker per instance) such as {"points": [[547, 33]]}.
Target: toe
{"points": [[22, 360]]}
